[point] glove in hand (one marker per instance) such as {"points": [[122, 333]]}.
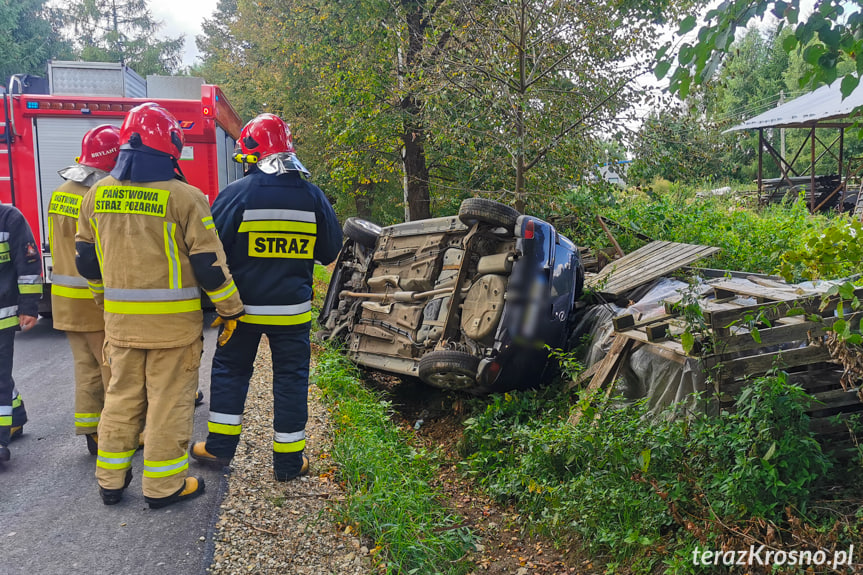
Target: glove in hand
{"points": [[228, 330]]}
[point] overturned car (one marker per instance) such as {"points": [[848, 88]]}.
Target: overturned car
{"points": [[464, 302]]}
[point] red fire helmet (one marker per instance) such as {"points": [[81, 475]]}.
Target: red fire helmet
{"points": [[153, 126], [100, 147], [265, 135]]}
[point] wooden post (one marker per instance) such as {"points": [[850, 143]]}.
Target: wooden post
{"points": [[610, 237], [760, 160], [841, 174], [812, 172]]}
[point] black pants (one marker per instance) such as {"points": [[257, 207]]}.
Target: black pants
{"points": [[233, 364], [12, 412]]}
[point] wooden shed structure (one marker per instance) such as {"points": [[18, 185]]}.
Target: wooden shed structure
{"points": [[822, 108]]}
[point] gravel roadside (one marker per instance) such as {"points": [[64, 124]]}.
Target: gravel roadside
{"points": [[270, 527]]}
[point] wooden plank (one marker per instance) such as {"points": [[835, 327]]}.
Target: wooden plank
{"points": [[774, 310], [656, 332], [760, 364], [748, 289], [715, 273], [624, 322], [607, 370], [669, 344], [829, 382], [647, 263], [632, 258], [834, 399], [652, 270], [709, 305], [794, 331], [583, 376], [660, 263]]}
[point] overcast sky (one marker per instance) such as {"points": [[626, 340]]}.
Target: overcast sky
{"points": [[183, 18]]}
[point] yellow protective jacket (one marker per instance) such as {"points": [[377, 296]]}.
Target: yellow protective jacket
{"points": [[153, 246], [72, 303]]}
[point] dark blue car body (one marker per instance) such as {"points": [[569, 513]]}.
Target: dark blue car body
{"points": [[464, 303]]}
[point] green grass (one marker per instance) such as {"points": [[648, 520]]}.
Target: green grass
{"points": [[389, 497], [642, 491]]}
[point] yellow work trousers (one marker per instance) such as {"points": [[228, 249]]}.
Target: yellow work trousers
{"points": [[91, 378], [155, 387]]}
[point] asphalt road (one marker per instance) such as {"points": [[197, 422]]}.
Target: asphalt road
{"points": [[52, 520]]}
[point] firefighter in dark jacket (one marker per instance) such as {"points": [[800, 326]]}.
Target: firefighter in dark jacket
{"points": [[148, 238], [274, 225], [20, 291]]}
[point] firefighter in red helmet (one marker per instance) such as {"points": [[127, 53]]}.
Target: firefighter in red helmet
{"points": [[146, 238], [274, 225], [72, 304]]}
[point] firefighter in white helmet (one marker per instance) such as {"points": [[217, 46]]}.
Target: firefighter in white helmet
{"points": [[149, 238], [72, 304]]}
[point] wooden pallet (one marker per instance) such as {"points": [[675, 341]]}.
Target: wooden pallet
{"points": [[757, 325], [653, 261]]}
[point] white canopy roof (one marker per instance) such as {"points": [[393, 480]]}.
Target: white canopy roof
{"points": [[824, 108]]}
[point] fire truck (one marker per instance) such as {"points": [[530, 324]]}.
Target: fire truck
{"points": [[42, 122]]}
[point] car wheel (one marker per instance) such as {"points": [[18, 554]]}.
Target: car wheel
{"points": [[446, 369], [485, 211], [362, 231]]}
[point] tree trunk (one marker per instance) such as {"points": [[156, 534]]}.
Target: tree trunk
{"points": [[416, 174]]}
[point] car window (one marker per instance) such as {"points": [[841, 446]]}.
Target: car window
{"points": [[562, 278]]}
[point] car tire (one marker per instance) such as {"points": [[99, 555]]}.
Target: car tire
{"points": [[363, 232], [451, 370], [485, 211]]}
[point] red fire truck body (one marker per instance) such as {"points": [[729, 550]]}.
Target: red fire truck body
{"points": [[41, 134]]}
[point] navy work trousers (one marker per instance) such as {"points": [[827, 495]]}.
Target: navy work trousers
{"points": [[233, 364], [12, 412]]}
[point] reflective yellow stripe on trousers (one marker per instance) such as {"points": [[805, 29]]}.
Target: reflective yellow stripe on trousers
{"points": [[5, 415], [86, 420], [225, 423], [165, 468], [114, 459], [289, 442]]}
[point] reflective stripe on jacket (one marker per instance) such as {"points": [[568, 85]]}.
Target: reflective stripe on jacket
{"points": [[20, 268], [72, 303], [145, 237], [273, 228]]}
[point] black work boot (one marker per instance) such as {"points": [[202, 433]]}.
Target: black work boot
{"points": [[5, 454], [193, 487], [199, 452], [199, 398], [283, 476], [92, 443], [114, 496]]}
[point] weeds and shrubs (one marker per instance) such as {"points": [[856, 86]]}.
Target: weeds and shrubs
{"points": [[752, 239], [628, 485], [389, 498]]}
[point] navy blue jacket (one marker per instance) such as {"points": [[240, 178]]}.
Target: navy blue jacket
{"points": [[20, 268], [274, 228]]}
